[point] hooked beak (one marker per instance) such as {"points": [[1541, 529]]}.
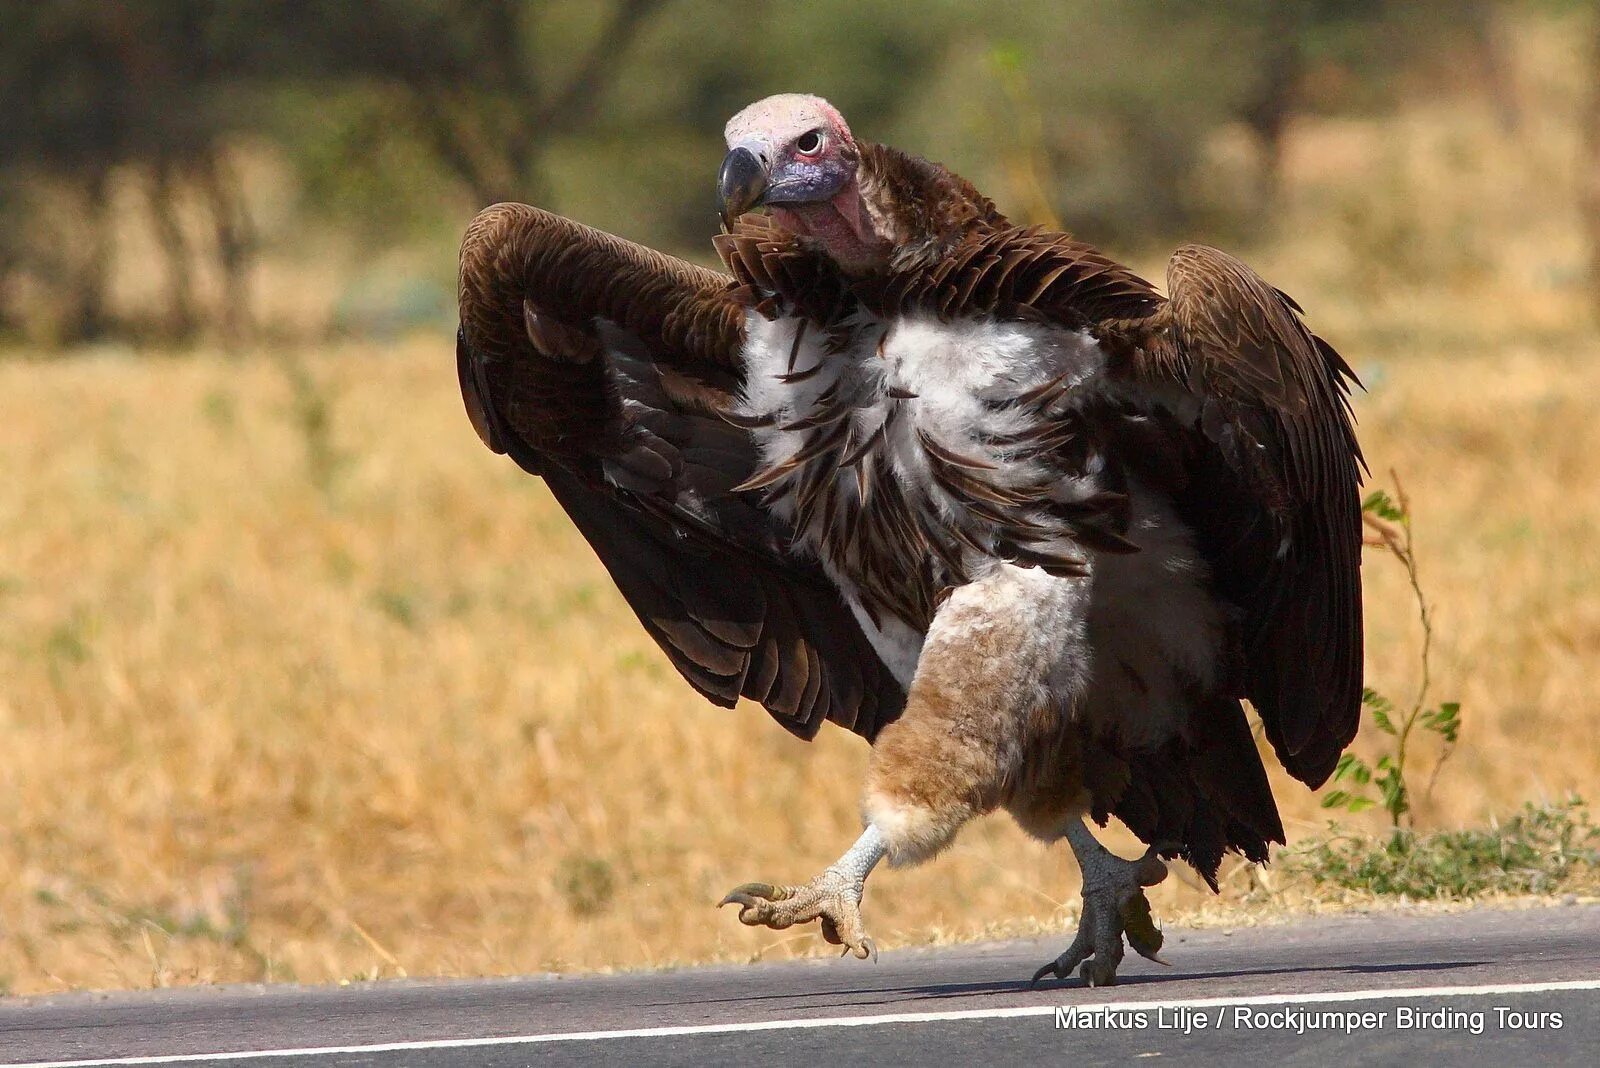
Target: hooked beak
{"points": [[741, 184]]}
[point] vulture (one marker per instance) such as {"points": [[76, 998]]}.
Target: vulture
{"points": [[971, 490]]}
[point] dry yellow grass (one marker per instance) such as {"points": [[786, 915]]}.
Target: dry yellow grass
{"points": [[407, 726], [400, 723]]}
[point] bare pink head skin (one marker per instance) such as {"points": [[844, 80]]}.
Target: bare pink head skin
{"points": [[795, 154]]}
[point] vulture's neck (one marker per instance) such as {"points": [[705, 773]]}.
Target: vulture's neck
{"points": [[921, 212], [921, 209]]}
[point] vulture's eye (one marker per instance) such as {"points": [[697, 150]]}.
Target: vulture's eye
{"points": [[810, 143]]}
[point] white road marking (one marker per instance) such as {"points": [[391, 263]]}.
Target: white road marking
{"points": [[1012, 1012]]}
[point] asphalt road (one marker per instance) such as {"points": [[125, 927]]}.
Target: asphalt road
{"points": [[1480, 987]]}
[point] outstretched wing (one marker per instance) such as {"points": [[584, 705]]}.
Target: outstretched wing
{"points": [[1272, 493], [609, 369]]}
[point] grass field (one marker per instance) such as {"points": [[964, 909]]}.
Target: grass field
{"points": [[297, 681], [257, 728]]}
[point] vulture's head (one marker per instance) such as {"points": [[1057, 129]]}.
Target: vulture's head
{"points": [[795, 154]]}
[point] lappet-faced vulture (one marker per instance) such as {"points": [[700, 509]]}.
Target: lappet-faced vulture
{"points": [[971, 490]]}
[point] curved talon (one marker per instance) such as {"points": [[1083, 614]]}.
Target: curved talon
{"points": [[1114, 908], [866, 950], [1062, 967], [1061, 971], [831, 898], [746, 893], [751, 898], [863, 948], [1142, 933]]}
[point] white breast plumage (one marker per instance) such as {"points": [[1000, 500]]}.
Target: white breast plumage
{"points": [[891, 446]]}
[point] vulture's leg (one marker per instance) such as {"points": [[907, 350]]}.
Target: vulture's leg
{"points": [[982, 675], [834, 897], [1113, 905]]}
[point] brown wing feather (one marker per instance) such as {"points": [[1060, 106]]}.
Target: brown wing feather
{"points": [[1008, 271], [1275, 496], [1270, 465], [604, 366]]}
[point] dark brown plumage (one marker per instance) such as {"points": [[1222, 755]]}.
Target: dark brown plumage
{"points": [[1269, 477], [638, 456], [619, 375]]}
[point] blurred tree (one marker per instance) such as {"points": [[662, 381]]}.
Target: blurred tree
{"points": [[89, 89], [610, 111], [159, 90], [647, 165], [1128, 122], [1136, 96], [465, 78]]}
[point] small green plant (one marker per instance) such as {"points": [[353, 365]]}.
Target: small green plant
{"points": [[1540, 850], [1388, 522], [1536, 851]]}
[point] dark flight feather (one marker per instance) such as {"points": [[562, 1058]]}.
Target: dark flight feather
{"points": [[611, 370], [603, 366], [1270, 480], [1261, 463]]}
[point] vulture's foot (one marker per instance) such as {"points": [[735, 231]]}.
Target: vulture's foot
{"points": [[1114, 905], [834, 897]]}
